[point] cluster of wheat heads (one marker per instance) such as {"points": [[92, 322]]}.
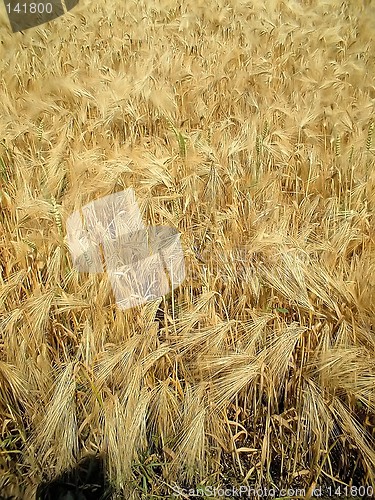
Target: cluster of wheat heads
{"points": [[248, 127]]}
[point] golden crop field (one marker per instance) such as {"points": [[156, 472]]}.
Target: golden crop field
{"points": [[248, 126]]}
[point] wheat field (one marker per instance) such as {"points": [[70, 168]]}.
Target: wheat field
{"points": [[248, 127]]}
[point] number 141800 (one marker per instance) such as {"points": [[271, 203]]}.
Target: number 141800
{"points": [[30, 8], [345, 491]]}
